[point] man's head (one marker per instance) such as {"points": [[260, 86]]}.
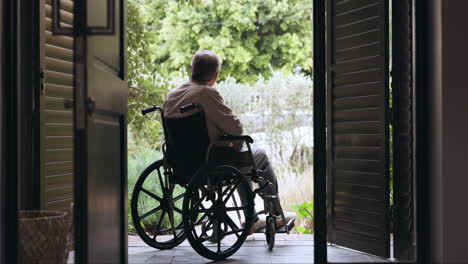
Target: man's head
{"points": [[205, 67]]}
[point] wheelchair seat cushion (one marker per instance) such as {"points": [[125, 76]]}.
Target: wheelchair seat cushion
{"points": [[221, 155]]}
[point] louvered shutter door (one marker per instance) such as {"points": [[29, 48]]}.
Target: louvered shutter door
{"points": [[357, 127], [56, 120]]}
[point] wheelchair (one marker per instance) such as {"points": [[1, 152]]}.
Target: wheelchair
{"points": [[197, 192]]}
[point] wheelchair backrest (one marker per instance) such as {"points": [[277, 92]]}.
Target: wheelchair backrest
{"points": [[187, 141]]}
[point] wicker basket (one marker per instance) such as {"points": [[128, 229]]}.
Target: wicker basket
{"points": [[44, 236]]}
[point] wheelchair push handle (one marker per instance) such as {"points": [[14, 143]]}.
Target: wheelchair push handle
{"points": [[151, 109]]}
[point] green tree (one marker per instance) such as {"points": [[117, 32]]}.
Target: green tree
{"points": [[147, 85], [252, 37]]}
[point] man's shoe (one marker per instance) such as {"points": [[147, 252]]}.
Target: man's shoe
{"points": [[257, 225]]}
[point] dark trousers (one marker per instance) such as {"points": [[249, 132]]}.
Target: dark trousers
{"points": [[263, 163]]}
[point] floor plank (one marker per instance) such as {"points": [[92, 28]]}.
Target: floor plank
{"points": [[288, 249]]}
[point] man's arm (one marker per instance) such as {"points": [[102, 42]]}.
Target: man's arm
{"points": [[222, 116]]}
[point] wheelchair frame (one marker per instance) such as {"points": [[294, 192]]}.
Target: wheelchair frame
{"points": [[217, 212]]}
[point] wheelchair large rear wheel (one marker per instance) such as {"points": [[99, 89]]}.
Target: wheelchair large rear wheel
{"points": [[156, 208], [215, 222]]}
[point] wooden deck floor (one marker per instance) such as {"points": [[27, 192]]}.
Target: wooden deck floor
{"points": [[288, 249]]}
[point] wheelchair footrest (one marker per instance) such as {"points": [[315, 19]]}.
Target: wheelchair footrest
{"points": [[290, 225], [281, 229]]}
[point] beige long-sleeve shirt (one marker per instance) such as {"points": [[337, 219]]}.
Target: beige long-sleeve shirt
{"points": [[219, 117]]}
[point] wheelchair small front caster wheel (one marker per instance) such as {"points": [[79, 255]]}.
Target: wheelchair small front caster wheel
{"points": [[270, 231]]}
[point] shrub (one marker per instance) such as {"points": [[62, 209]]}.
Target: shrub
{"points": [[137, 162], [305, 211]]}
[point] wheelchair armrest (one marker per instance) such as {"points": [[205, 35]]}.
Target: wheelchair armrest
{"points": [[245, 138]]}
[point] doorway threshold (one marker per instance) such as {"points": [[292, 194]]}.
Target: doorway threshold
{"points": [[293, 248]]}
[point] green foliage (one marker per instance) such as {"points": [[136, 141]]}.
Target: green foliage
{"points": [[252, 37], [137, 162], [304, 211], [278, 113], [147, 85]]}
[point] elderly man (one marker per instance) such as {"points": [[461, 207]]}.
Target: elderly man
{"points": [[219, 117]]}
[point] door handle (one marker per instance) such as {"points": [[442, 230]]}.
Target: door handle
{"points": [[90, 105], [109, 29]]}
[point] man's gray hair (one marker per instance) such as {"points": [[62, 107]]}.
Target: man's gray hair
{"points": [[205, 65]]}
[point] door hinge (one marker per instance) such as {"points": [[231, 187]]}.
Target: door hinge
{"points": [[42, 81]]}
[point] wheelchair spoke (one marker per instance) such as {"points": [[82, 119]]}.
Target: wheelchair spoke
{"points": [[206, 228], [204, 210], [231, 193], [198, 203], [171, 220], [150, 212], [178, 198], [234, 232], [158, 227], [178, 210], [237, 211], [228, 188], [235, 229], [218, 235], [207, 193], [163, 187], [201, 219], [206, 214], [179, 227], [151, 194], [229, 221], [236, 208]]}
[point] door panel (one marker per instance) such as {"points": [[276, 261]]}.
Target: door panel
{"points": [[357, 128], [104, 184], [106, 105], [100, 129], [403, 163]]}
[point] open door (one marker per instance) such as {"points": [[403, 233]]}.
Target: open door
{"points": [[100, 109], [56, 119], [357, 125]]}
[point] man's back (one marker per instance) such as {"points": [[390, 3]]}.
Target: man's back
{"points": [[220, 118]]}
